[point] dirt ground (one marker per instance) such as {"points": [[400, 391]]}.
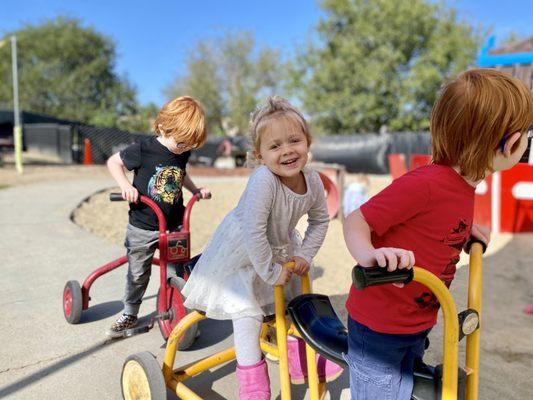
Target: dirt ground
{"points": [[507, 333]]}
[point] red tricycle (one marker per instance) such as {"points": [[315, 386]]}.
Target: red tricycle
{"points": [[174, 248]]}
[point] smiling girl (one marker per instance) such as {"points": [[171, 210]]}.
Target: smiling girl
{"points": [[235, 275]]}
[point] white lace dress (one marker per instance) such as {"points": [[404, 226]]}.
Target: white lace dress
{"points": [[234, 277]]}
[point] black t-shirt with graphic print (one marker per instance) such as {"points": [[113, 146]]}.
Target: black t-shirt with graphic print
{"points": [[158, 174]]}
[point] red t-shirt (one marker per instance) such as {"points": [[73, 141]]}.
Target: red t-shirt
{"points": [[429, 211]]}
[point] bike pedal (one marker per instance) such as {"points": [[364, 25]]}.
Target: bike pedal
{"points": [[135, 331]]}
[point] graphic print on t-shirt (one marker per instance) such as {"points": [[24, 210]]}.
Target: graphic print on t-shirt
{"points": [[165, 184], [455, 239]]}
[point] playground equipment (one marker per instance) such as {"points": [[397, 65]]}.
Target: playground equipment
{"points": [[398, 164], [332, 195], [174, 248], [142, 378], [320, 327]]}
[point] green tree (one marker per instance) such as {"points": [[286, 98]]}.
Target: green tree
{"points": [[380, 63], [203, 81], [67, 71], [229, 76], [141, 121]]}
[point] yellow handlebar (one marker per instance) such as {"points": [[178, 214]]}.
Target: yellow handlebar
{"points": [[289, 265]]}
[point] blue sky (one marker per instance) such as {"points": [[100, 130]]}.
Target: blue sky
{"points": [[152, 37]]}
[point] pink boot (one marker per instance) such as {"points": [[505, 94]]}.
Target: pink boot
{"points": [[327, 370], [254, 383]]}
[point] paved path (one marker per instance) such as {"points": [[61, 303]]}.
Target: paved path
{"points": [[43, 357]]}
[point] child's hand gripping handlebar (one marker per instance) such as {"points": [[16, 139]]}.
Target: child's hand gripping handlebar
{"points": [[471, 241], [364, 277], [306, 283]]}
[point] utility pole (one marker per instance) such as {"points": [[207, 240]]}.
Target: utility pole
{"points": [[17, 129]]}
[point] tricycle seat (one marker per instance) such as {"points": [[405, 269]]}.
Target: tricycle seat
{"points": [[316, 320], [184, 269]]}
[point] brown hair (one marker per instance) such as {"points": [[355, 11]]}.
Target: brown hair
{"points": [[473, 113], [182, 118], [275, 107]]}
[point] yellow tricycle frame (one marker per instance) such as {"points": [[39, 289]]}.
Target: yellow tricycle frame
{"points": [[174, 378], [139, 369], [451, 326]]}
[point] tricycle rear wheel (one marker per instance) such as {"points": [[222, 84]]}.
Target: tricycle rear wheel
{"points": [[72, 302]]}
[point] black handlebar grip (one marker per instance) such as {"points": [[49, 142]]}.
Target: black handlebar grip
{"points": [[473, 240], [115, 197], [364, 277]]}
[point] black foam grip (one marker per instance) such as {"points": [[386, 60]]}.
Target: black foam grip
{"points": [[364, 277], [115, 197]]}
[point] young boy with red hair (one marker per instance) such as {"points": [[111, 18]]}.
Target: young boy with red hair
{"points": [[479, 125], [159, 164]]}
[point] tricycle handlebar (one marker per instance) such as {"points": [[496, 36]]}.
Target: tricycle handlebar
{"points": [[364, 277], [115, 197], [160, 217]]}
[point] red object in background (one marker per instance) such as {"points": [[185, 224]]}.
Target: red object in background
{"points": [[397, 166], [332, 195], [482, 204], [517, 199], [514, 205], [419, 160], [87, 157]]}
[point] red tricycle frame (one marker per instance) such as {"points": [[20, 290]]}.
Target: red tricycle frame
{"points": [[169, 300]]}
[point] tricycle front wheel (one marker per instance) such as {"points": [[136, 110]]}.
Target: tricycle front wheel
{"points": [[178, 311], [142, 378]]}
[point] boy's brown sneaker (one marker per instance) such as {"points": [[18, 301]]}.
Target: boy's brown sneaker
{"points": [[125, 321]]}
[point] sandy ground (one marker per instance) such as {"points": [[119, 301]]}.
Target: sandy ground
{"points": [[507, 333]]}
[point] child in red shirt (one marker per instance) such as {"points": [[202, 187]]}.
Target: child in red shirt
{"points": [[479, 125]]}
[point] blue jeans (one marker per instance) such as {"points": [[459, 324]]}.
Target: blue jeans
{"points": [[381, 364]]}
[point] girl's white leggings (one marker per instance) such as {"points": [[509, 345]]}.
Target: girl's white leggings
{"points": [[246, 331]]}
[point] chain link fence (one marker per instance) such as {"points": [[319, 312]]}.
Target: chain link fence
{"points": [[358, 153]]}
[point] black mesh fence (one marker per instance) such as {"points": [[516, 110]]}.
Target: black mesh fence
{"points": [[358, 153], [107, 141], [49, 139], [104, 142]]}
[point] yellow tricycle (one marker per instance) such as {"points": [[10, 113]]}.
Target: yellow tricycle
{"points": [[143, 378], [320, 327]]}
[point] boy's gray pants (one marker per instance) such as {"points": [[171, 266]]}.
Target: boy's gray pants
{"points": [[140, 248]]}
